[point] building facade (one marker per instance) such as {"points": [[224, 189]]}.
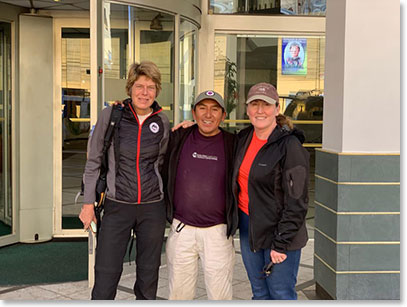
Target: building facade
{"points": [[61, 62]]}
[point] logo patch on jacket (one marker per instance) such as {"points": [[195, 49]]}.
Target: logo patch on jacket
{"points": [[154, 127]]}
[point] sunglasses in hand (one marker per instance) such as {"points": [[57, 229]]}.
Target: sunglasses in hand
{"points": [[267, 270]]}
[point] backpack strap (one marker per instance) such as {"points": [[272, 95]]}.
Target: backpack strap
{"points": [[115, 117]]}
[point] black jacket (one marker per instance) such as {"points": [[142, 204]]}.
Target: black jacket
{"points": [[135, 157], [278, 189], [175, 145]]}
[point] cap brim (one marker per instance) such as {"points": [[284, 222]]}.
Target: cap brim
{"points": [[261, 97], [209, 98]]}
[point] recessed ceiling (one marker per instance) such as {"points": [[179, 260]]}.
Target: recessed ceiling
{"points": [[76, 5]]}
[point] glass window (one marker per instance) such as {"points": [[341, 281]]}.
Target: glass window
{"points": [[295, 65], [265, 7], [187, 65], [134, 34]]}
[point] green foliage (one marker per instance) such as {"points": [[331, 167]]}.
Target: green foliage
{"points": [[231, 94]]}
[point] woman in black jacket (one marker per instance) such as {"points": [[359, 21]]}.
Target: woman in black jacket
{"points": [[134, 196], [271, 188]]}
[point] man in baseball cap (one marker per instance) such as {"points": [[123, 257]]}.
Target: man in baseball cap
{"points": [[197, 175]]}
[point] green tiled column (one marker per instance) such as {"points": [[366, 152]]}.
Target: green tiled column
{"points": [[357, 225]]}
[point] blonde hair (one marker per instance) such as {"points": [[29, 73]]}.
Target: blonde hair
{"points": [[145, 68]]}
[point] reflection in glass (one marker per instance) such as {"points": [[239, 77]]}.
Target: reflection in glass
{"points": [[244, 60], [5, 130], [75, 106], [269, 7], [187, 65], [135, 34]]}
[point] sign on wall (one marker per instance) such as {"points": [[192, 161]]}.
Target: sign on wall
{"points": [[294, 56]]}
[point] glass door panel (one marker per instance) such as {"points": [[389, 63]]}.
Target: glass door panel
{"points": [[6, 210], [187, 64], [75, 71], [134, 34]]}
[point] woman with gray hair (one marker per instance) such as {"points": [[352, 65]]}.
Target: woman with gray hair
{"points": [[134, 195]]}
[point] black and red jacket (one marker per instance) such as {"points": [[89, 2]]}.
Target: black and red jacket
{"points": [[136, 156], [278, 189]]}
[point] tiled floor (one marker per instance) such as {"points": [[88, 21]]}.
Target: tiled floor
{"points": [[241, 287]]}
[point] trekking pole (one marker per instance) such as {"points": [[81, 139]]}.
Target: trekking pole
{"points": [[91, 257]]}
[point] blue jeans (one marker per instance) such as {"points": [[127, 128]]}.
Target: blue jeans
{"points": [[280, 284]]}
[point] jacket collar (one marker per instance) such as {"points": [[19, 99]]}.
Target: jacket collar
{"points": [[278, 133]]}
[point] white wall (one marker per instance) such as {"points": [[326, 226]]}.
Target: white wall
{"points": [[36, 128], [362, 77]]}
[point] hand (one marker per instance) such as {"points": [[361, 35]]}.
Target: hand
{"points": [[87, 215], [277, 257], [184, 124]]}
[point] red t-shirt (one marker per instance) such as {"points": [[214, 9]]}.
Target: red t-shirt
{"points": [[243, 177]]}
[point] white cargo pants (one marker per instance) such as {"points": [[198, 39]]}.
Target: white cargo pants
{"points": [[217, 253]]}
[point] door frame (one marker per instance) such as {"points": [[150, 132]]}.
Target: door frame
{"points": [[15, 224]]}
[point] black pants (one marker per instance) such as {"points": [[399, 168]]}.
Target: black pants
{"points": [[148, 221]]}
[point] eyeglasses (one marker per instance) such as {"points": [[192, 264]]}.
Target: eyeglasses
{"points": [[140, 87], [267, 270]]}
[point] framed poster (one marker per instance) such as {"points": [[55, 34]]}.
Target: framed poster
{"points": [[294, 56]]}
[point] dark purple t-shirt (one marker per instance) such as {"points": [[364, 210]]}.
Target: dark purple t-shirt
{"points": [[199, 198]]}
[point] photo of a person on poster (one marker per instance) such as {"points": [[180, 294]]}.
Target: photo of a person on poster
{"points": [[294, 60], [294, 56]]}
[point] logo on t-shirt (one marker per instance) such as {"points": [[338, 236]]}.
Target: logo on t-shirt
{"points": [[154, 127], [204, 157]]}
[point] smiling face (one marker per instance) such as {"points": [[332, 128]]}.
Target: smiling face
{"points": [[262, 115], [208, 114], [143, 93]]}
